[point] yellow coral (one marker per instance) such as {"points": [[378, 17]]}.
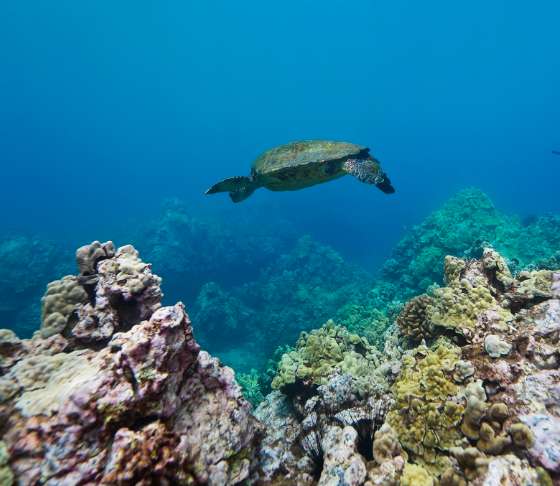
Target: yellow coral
{"points": [[414, 475], [459, 305], [532, 285], [60, 301], [453, 268], [323, 351], [521, 435], [428, 409], [494, 262]]}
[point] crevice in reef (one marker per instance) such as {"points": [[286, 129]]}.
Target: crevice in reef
{"points": [[142, 421], [128, 312], [516, 306]]}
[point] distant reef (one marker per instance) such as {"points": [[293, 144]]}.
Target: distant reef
{"points": [[114, 388], [309, 283], [237, 276], [27, 264]]}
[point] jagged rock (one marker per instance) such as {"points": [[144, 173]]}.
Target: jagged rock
{"points": [[151, 405], [495, 346], [343, 465], [545, 449], [281, 455], [145, 406], [115, 291], [507, 469], [10, 347], [88, 256]]}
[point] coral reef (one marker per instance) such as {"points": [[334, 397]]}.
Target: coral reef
{"points": [[251, 385], [190, 250], [219, 313], [420, 378], [60, 302], [427, 409], [114, 291], [319, 353], [465, 225], [413, 319], [468, 394], [255, 271], [462, 227], [299, 291], [129, 399]]}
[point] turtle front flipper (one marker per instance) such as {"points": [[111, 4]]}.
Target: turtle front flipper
{"points": [[369, 171], [239, 187]]}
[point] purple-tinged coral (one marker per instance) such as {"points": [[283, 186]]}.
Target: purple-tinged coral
{"points": [[114, 291], [143, 407]]}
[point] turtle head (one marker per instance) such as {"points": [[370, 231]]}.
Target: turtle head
{"points": [[384, 183], [369, 170]]}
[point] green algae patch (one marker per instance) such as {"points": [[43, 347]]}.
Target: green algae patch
{"points": [[428, 409]]}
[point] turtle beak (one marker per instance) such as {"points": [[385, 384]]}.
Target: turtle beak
{"points": [[385, 185]]}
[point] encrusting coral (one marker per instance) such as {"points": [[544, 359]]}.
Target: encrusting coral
{"points": [[319, 353], [428, 408], [60, 302]]}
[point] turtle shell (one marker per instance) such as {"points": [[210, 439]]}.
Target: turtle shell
{"points": [[302, 153]]}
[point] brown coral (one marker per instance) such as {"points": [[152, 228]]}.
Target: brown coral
{"points": [[413, 319]]}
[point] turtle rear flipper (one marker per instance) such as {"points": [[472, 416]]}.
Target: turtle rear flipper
{"points": [[369, 171], [239, 188]]}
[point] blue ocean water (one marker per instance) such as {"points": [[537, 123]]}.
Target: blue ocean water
{"points": [[110, 108]]}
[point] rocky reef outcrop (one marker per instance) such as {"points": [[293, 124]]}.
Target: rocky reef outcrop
{"points": [[114, 389], [463, 227], [466, 392]]}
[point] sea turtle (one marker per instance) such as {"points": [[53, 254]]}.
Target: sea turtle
{"points": [[306, 163]]}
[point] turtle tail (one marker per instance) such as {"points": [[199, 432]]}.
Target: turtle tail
{"points": [[239, 188]]}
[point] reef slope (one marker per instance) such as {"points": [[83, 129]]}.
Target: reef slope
{"points": [[114, 389]]}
